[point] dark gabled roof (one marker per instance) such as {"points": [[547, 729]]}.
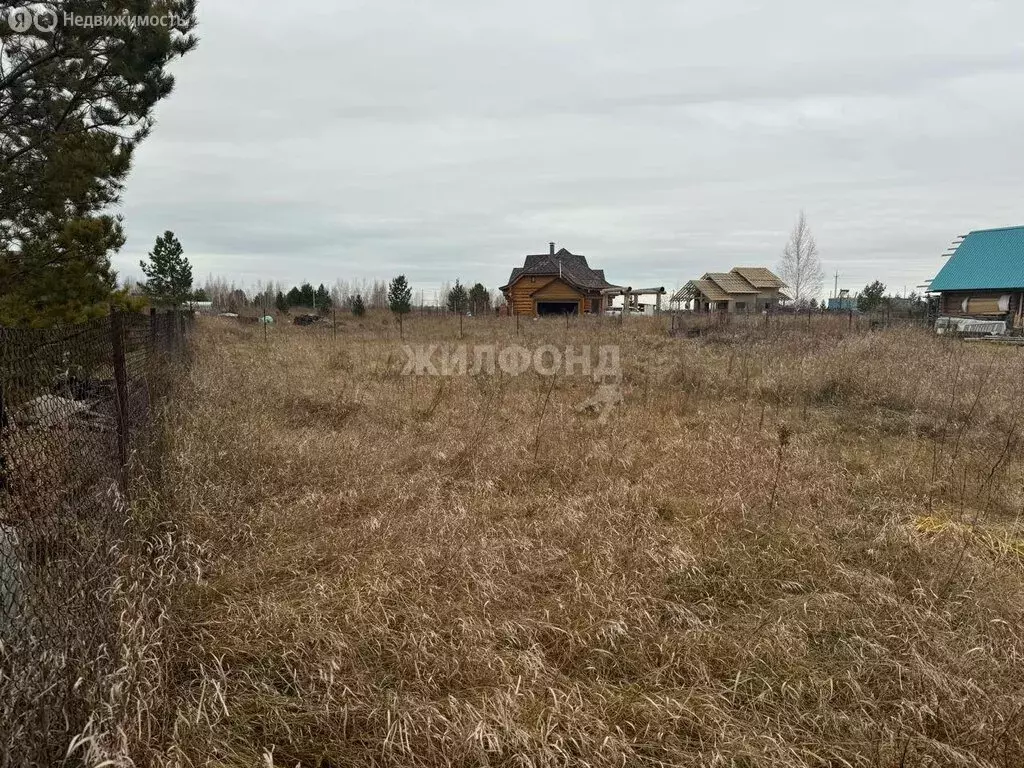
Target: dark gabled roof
{"points": [[987, 259], [571, 267]]}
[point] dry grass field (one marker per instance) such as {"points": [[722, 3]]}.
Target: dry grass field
{"points": [[788, 546]]}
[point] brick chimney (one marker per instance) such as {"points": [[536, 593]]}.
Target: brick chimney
{"points": [[552, 248]]}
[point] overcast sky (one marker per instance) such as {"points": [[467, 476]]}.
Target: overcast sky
{"points": [[661, 139]]}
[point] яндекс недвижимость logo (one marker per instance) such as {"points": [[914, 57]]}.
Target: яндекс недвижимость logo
{"points": [[23, 19]]}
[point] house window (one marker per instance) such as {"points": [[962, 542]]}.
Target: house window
{"points": [[741, 305]]}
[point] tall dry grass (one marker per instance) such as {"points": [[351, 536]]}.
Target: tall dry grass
{"points": [[788, 547]]}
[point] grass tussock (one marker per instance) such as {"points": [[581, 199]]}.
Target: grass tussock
{"points": [[787, 547]]}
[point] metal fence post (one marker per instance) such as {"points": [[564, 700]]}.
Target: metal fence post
{"points": [[121, 399]]}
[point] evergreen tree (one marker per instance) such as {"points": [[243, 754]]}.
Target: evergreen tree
{"points": [[322, 298], [75, 105], [358, 307], [400, 296], [294, 297], [67, 277], [870, 298], [169, 274], [307, 295], [458, 298], [281, 302], [479, 299]]}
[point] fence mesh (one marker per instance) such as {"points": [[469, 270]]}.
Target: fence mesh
{"points": [[76, 416]]}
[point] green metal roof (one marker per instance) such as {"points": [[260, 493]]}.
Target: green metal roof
{"points": [[986, 259]]}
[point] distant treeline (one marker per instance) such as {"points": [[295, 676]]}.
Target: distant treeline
{"points": [[272, 295]]}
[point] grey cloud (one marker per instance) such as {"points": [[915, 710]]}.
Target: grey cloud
{"points": [[663, 139]]}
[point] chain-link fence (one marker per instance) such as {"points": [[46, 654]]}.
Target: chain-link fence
{"points": [[76, 426]]}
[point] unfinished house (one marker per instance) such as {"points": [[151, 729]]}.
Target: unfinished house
{"points": [[741, 290]]}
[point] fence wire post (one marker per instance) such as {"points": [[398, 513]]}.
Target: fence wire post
{"points": [[121, 399]]}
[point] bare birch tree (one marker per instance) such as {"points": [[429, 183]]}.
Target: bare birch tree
{"points": [[800, 266]]}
